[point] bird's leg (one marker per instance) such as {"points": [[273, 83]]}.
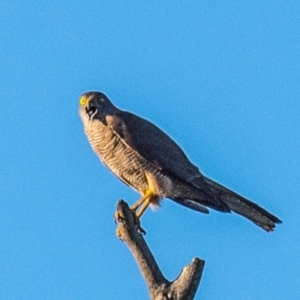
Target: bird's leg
{"points": [[142, 203], [143, 207], [136, 205]]}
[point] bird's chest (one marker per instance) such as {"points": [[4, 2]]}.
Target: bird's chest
{"points": [[121, 159]]}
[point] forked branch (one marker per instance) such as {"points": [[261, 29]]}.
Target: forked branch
{"points": [[182, 288]]}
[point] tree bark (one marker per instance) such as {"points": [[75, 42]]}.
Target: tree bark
{"points": [[184, 287]]}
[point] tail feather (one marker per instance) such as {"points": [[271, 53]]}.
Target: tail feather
{"points": [[244, 207], [192, 204]]}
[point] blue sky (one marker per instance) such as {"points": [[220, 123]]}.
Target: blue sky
{"points": [[221, 78]]}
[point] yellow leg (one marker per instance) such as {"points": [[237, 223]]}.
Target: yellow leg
{"points": [[143, 207], [138, 215], [135, 206]]}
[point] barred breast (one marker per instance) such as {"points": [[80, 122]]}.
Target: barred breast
{"points": [[124, 162], [132, 168]]}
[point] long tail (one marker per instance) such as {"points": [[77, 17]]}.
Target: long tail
{"points": [[244, 207]]}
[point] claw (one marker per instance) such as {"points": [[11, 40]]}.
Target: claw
{"points": [[141, 230], [117, 217], [137, 222], [137, 210], [118, 233]]}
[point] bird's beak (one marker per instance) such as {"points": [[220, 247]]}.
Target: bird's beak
{"points": [[90, 110]]}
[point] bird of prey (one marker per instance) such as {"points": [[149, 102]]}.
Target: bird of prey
{"points": [[148, 160]]}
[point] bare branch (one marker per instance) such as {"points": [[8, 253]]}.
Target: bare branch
{"points": [[183, 288]]}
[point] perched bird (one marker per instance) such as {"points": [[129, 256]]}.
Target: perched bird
{"points": [[148, 160]]}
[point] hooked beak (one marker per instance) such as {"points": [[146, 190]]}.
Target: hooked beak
{"points": [[88, 106]]}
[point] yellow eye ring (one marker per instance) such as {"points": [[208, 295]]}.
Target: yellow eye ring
{"points": [[82, 100]]}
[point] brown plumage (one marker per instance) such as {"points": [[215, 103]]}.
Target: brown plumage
{"points": [[148, 160]]}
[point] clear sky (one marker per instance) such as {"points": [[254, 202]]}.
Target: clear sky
{"points": [[221, 78]]}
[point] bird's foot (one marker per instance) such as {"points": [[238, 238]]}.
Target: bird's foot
{"points": [[141, 230], [118, 233], [137, 222], [119, 219]]}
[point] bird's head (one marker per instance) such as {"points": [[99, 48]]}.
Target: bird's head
{"points": [[95, 105]]}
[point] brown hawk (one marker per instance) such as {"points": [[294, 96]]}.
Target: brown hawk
{"points": [[148, 160]]}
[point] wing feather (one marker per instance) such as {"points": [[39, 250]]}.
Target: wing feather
{"points": [[156, 147]]}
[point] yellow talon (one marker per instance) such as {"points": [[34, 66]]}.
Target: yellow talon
{"points": [[137, 210], [118, 232], [117, 216]]}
